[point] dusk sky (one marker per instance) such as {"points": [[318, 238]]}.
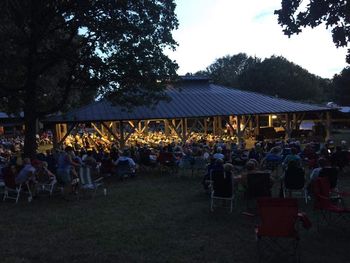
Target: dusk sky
{"points": [[210, 29]]}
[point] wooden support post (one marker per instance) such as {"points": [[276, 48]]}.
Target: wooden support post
{"points": [[257, 125], [67, 133], [288, 126], [295, 122], [205, 126], [328, 125], [121, 133], [219, 124], [58, 131], [139, 128], [250, 122], [184, 129], [270, 121], [215, 120], [64, 128], [238, 130], [230, 123], [166, 128], [145, 131], [55, 138]]}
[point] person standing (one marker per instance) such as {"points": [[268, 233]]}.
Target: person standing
{"points": [[64, 165]]}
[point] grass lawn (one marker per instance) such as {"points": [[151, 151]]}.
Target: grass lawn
{"points": [[147, 219]]}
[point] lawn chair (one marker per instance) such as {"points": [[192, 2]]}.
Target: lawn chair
{"points": [[277, 234], [13, 190], [294, 181], [329, 203], [86, 183], [221, 188], [48, 186], [46, 183]]}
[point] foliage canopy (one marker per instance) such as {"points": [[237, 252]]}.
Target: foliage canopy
{"points": [[335, 14], [56, 53]]}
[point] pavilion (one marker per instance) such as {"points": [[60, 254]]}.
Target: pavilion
{"points": [[195, 104]]}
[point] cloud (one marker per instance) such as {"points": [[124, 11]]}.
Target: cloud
{"points": [[262, 15]]}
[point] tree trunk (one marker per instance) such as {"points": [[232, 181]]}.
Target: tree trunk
{"points": [[30, 145]]}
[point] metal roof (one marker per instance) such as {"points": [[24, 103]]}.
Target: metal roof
{"points": [[190, 99]]}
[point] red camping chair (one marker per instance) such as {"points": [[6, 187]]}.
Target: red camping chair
{"points": [[328, 202], [278, 230]]}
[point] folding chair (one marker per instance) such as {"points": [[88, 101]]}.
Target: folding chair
{"points": [[13, 190], [87, 184], [46, 184], [294, 181], [277, 233], [222, 188], [328, 203]]}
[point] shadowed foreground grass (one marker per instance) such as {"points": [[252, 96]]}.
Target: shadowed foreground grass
{"points": [[147, 219]]}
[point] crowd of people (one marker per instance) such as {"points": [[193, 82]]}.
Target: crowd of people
{"points": [[107, 159]]}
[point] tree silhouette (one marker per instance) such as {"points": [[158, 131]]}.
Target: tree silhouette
{"points": [[334, 14], [55, 53]]}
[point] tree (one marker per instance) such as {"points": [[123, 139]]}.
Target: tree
{"points": [[276, 76], [225, 70], [56, 52], [335, 14], [342, 87]]}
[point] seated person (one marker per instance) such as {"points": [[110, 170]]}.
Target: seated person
{"points": [[215, 164], [90, 160], [222, 180], [44, 175], [322, 163], [9, 174], [26, 173], [228, 168], [65, 170], [294, 176], [125, 158], [293, 156], [252, 168], [273, 161], [218, 154]]}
